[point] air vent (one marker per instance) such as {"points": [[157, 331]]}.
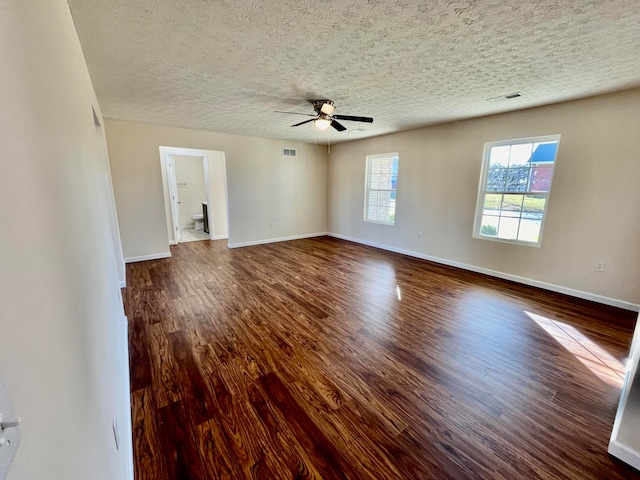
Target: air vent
{"points": [[289, 152], [504, 98]]}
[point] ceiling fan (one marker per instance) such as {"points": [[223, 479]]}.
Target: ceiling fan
{"points": [[324, 117]]}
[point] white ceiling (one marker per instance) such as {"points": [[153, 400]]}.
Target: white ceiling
{"points": [[226, 65]]}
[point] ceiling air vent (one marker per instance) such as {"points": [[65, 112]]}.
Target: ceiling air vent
{"points": [[289, 152], [504, 98]]}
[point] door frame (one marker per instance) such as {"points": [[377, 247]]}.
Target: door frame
{"points": [[170, 184], [173, 196]]}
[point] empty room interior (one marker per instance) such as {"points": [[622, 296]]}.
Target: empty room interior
{"points": [[318, 239]]}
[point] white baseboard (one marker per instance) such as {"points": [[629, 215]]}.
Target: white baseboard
{"points": [[220, 237], [274, 240], [494, 273], [144, 258], [624, 453]]}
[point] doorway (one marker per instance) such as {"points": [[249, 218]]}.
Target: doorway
{"points": [[195, 190]]}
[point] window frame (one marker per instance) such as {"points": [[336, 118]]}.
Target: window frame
{"points": [[482, 189], [367, 189]]}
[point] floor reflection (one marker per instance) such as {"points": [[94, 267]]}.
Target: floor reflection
{"points": [[606, 367]]}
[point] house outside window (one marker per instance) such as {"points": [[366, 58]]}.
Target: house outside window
{"points": [[514, 189], [380, 188]]}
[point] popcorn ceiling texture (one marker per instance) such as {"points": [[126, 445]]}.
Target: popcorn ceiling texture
{"points": [[225, 65]]}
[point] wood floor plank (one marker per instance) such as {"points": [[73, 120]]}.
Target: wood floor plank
{"points": [[149, 461], [196, 392], [177, 434], [324, 454], [324, 359], [139, 361], [165, 373], [296, 459]]}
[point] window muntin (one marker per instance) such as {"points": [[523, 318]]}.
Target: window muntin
{"points": [[380, 188], [514, 189]]}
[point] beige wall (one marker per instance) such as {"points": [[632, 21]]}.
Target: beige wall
{"points": [[593, 207], [263, 186], [191, 187], [63, 351]]}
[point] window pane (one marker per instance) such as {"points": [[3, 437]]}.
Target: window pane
{"points": [[520, 154], [533, 206], [541, 178], [517, 179], [489, 226], [544, 152], [508, 228], [496, 179], [385, 181], [499, 156], [529, 230], [511, 205], [492, 203]]}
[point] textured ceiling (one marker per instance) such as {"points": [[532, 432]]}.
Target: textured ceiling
{"points": [[226, 65]]}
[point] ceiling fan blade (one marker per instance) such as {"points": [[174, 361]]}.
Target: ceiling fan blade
{"points": [[338, 126], [354, 119], [302, 123], [295, 113]]}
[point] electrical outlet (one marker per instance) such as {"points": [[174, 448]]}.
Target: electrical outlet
{"points": [[599, 267]]}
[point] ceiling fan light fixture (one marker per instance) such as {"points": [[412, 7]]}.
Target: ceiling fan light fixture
{"points": [[322, 123], [327, 108]]}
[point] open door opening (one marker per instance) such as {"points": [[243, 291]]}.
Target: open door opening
{"points": [[195, 191]]}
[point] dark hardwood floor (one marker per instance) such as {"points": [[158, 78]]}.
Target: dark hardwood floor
{"points": [[321, 358]]}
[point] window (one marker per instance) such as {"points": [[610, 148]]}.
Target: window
{"points": [[380, 188], [514, 189]]}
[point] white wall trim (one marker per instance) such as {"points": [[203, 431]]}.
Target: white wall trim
{"points": [[220, 237], [143, 258], [506, 276], [126, 425], [274, 240], [624, 453], [123, 284]]}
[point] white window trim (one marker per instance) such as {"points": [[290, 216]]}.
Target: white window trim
{"points": [[366, 186], [483, 181]]}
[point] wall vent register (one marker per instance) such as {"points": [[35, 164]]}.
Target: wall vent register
{"points": [[289, 152]]}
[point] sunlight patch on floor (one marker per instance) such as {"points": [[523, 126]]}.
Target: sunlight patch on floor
{"points": [[606, 367]]}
